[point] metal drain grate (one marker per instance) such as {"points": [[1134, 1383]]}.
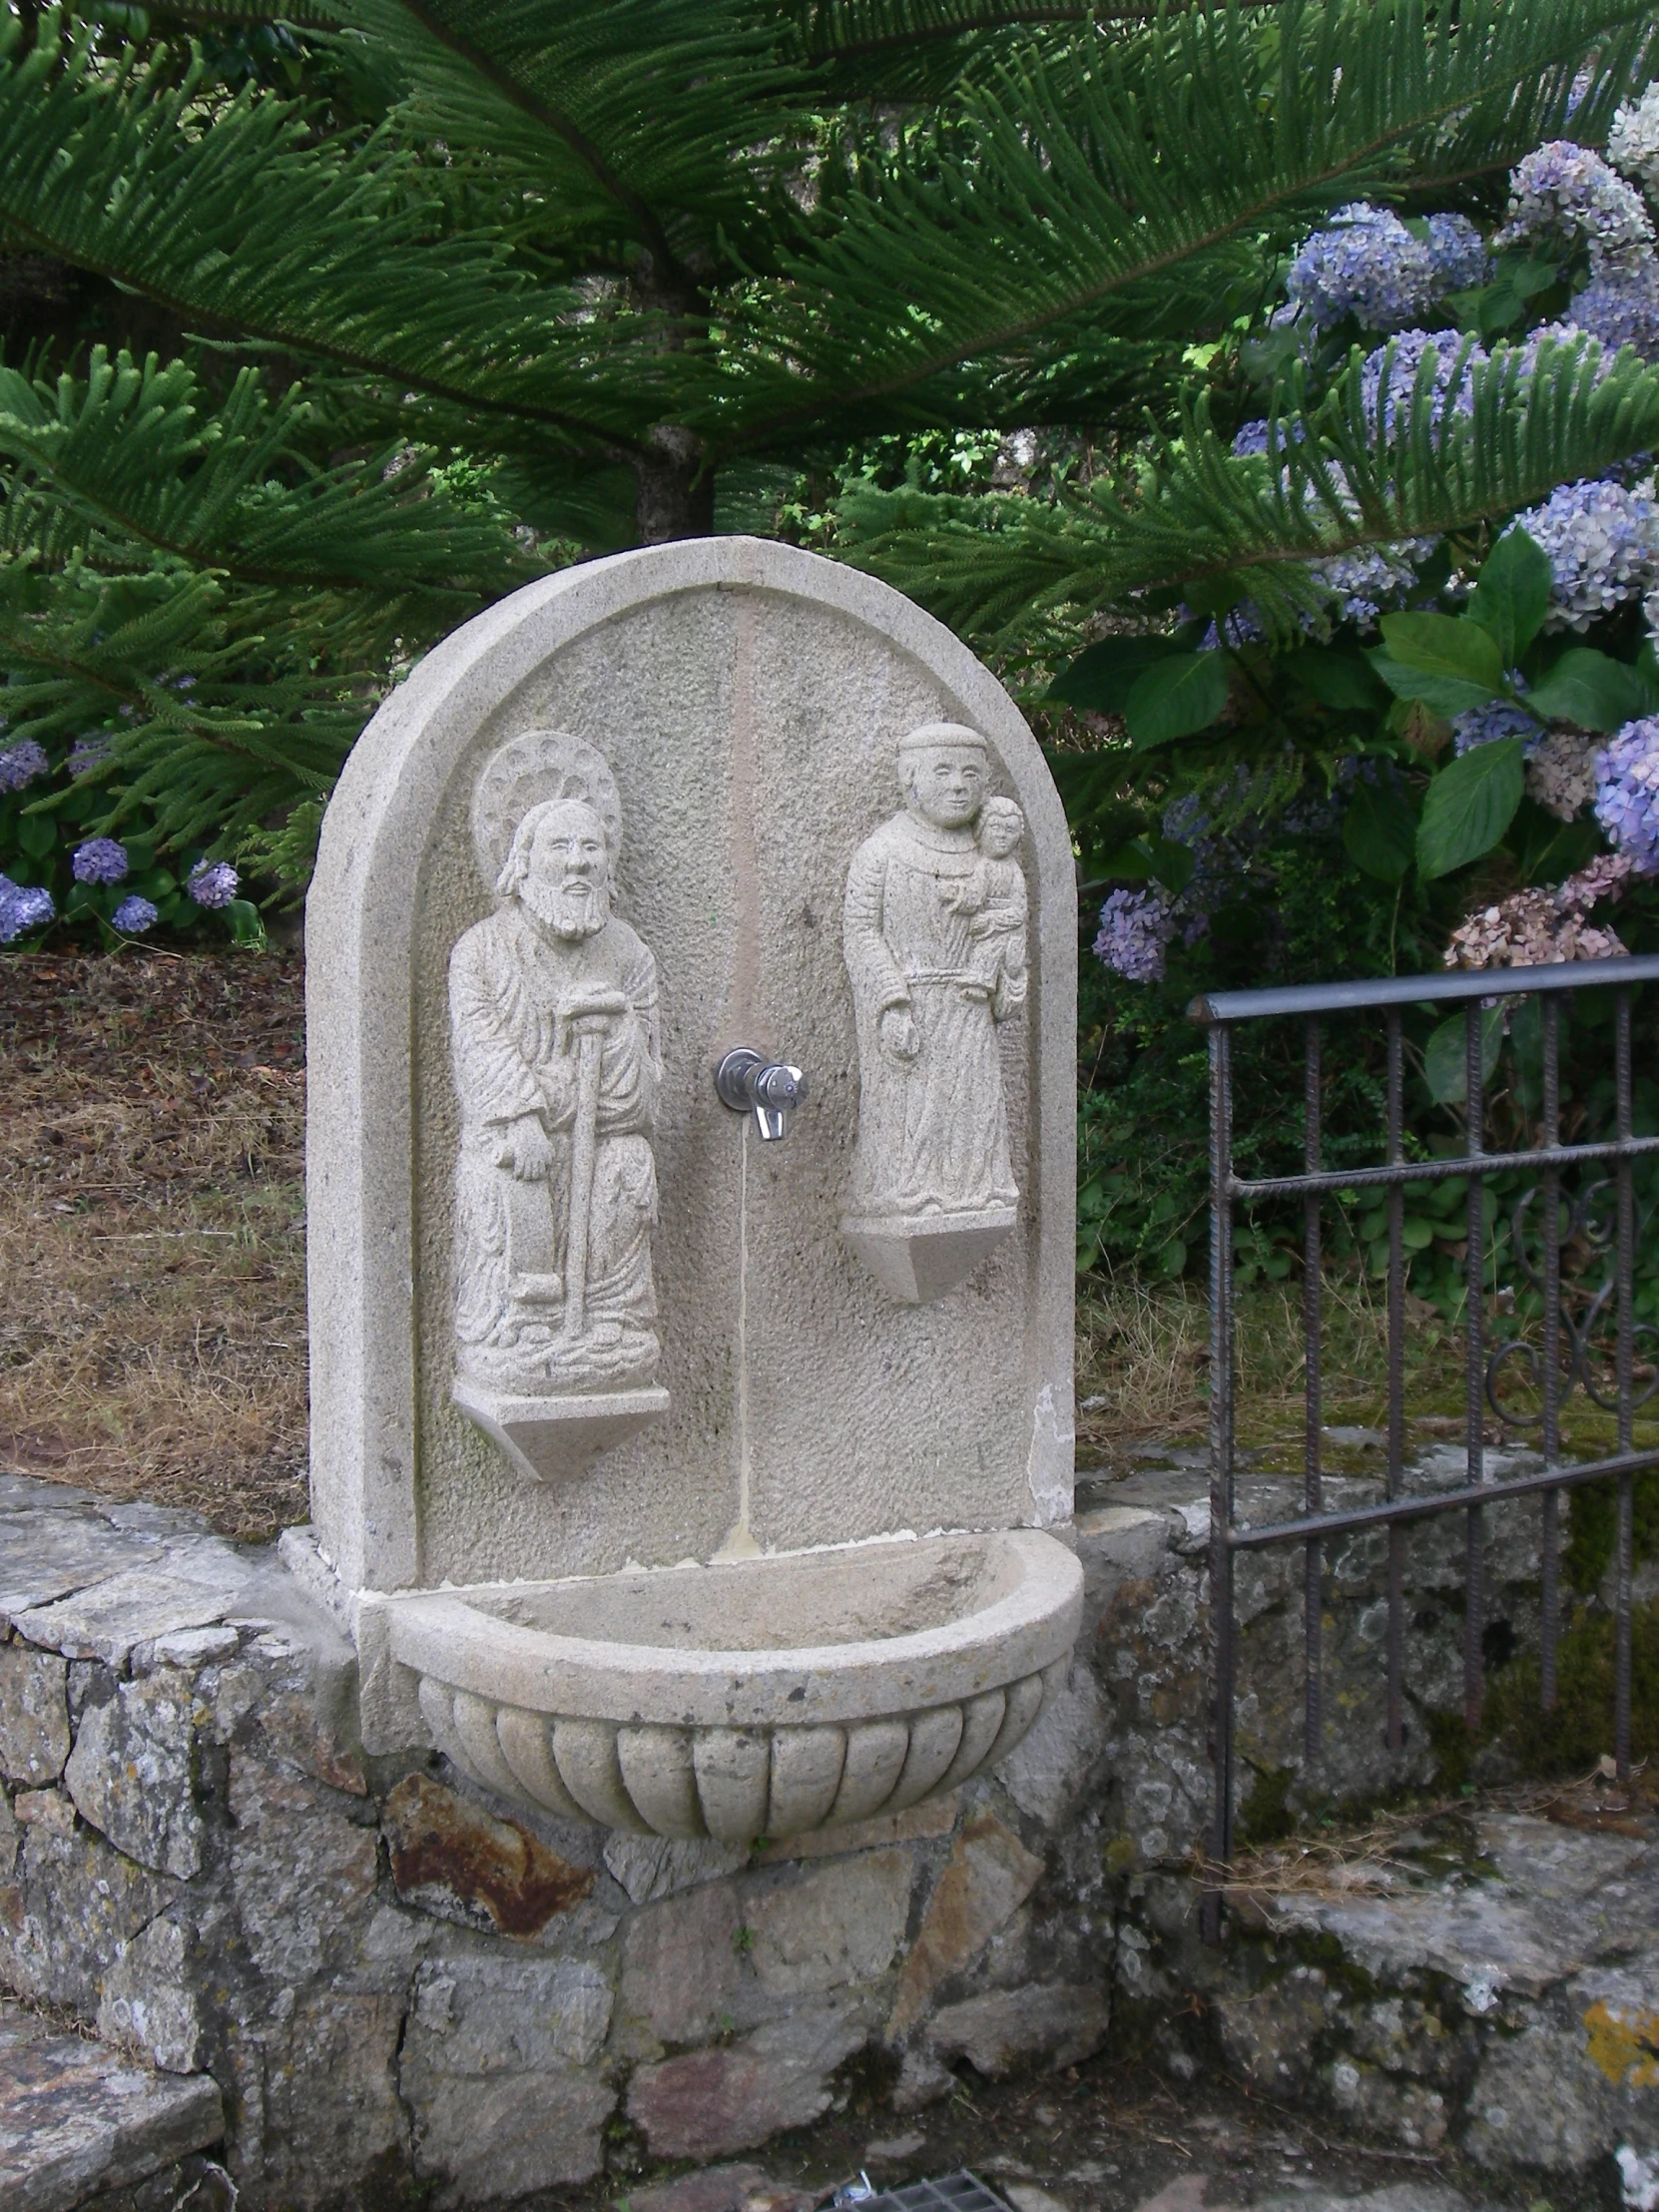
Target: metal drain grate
{"points": [[958, 2192]]}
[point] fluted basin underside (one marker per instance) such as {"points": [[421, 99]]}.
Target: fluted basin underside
{"points": [[908, 1667]]}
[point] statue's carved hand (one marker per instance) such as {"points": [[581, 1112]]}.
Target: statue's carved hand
{"points": [[590, 1011], [526, 1150], [899, 1033]]}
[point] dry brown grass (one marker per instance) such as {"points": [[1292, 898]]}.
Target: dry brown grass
{"points": [[1396, 1846], [151, 1240], [1144, 1349]]}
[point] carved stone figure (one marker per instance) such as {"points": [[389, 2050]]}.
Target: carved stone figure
{"points": [[934, 931], [556, 1062]]}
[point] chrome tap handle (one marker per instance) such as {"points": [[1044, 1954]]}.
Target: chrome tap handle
{"points": [[770, 1090]]}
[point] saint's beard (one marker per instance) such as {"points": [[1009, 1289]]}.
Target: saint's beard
{"points": [[568, 909]]}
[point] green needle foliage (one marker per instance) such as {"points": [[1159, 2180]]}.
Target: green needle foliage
{"points": [[1198, 517], [188, 583], [616, 270]]}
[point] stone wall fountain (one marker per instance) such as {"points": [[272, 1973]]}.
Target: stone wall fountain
{"points": [[691, 967], [690, 999]]}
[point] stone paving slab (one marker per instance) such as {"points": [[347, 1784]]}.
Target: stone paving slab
{"points": [[47, 1554], [76, 2118], [199, 1584]]}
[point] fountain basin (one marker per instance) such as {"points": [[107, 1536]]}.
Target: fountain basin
{"points": [[769, 1697]]}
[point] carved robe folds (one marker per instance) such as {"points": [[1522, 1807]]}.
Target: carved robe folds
{"points": [[933, 1189], [518, 1060]]}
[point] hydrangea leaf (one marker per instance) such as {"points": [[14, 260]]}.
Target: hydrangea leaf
{"points": [[1342, 680], [37, 835], [1594, 691], [1379, 830], [1511, 594], [247, 928], [1101, 678], [1447, 661], [1469, 804], [1176, 699], [1445, 1059]]}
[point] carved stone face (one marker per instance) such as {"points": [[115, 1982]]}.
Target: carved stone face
{"points": [[945, 783], [568, 884], [1001, 826]]}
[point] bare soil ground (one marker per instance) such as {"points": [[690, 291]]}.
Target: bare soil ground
{"points": [[1112, 2135], [152, 1234]]}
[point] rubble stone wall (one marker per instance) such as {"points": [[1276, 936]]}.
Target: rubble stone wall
{"points": [[390, 1976]]}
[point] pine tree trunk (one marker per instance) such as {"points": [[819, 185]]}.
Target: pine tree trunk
{"points": [[673, 500]]}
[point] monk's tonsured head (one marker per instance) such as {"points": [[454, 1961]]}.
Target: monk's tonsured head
{"points": [[942, 769], [559, 867]]}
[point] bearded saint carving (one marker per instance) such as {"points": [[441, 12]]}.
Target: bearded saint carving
{"points": [[557, 1067]]}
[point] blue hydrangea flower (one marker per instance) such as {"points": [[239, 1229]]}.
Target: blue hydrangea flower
{"points": [[1375, 577], [1562, 196], [1241, 625], [1389, 376], [1621, 308], [1602, 540], [1458, 253], [1527, 355], [212, 884], [1579, 90], [1135, 932], [133, 916], [23, 906], [1366, 265], [87, 753], [1633, 142], [1627, 793], [1252, 437], [99, 861], [21, 764], [1498, 718]]}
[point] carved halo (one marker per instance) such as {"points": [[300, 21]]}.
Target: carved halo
{"points": [[538, 765]]}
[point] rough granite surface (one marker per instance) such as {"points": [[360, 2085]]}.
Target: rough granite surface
{"points": [[748, 698], [383, 1977]]}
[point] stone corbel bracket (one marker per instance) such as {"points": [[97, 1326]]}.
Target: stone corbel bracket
{"points": [[553, 1440], [921, 1258]]}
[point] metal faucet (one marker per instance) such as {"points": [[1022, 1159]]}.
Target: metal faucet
{"points": [[748, 1082]]}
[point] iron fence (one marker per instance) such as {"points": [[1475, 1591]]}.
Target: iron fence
{"points": [[1558, 1209]]}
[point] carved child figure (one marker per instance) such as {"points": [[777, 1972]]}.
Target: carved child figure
{"points": [[994, 900]]}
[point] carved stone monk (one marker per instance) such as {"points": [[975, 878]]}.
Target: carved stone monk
{"points": [[554, 1048], [929, 992]]}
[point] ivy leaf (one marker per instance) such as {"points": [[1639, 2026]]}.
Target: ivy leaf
{"points": [[1445, 1062], [1470, 805], [1447, 661], [1101, 678], [1511, 594], [1176, 699], [1379, 830], [1592, 690]]}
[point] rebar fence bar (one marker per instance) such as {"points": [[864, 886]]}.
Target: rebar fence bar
{"points": [[1564, 1215]]}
